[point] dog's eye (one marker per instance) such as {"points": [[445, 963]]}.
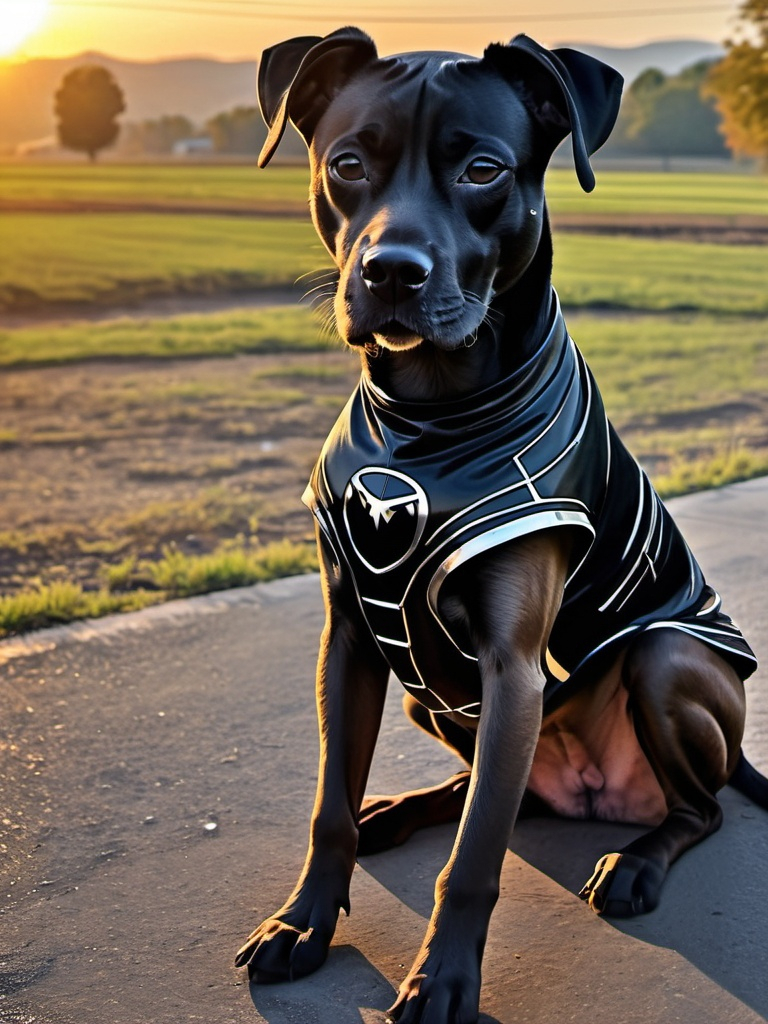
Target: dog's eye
{"points": [[348, 167], [482, 171]]}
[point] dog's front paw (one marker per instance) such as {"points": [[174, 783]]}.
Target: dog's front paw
{"points": [[623, 885], [448, 996], [280, 951]]}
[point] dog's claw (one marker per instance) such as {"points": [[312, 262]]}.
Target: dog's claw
{"points": [[623, 885]]}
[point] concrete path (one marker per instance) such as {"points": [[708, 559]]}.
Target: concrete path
{"points": [[156, 776]]}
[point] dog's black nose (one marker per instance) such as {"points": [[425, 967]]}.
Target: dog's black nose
{"points": [[395, 273]]}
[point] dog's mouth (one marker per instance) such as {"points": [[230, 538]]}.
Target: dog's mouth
{"points": [[397, 336], [446, 324]]}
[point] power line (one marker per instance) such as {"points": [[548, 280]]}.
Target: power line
{"points": [[209, 8]]}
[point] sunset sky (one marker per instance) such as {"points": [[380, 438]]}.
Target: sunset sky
{"points": [[231, 29]]}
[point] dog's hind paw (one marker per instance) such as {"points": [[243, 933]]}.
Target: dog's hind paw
{"points": [[385, 822], [623, 885], [388, 821]]}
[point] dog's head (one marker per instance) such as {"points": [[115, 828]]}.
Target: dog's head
{"points": [[428, 169]]}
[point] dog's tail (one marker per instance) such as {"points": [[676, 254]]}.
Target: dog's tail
{"points": [[749, 781]]}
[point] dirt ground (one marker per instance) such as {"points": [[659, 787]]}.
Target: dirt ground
{"points": [[212, 448]]}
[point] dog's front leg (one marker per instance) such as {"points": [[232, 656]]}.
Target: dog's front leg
{"points": [[351, 686], [511, 603]]}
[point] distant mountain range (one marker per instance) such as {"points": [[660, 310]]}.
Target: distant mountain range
{"points": [[669, 56], [199, 88]]}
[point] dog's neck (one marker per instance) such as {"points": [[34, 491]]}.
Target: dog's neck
{"points": [[511, 332]]}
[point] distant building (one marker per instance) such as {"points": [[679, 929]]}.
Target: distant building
{"points": [[38, 147], [193, 147]]}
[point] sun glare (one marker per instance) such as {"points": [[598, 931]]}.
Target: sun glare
{"points": [[18, 20]]}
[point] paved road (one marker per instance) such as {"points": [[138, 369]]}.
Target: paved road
{"points": [[154, 792]]}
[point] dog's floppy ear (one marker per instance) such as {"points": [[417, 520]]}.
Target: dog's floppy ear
{"points": [[300, 77], [583, 95]]}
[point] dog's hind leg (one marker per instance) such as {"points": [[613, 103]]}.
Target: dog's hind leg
{"points": [[688, 708], [387, 821]]}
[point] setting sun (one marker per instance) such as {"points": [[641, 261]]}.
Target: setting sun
{"points": [[18, 20]]}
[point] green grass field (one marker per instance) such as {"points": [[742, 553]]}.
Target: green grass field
{"points": [[620, 193], [283, 329], [237, 187], [650, 367], [107, 259], [85, 257], [681, 388], [98, 258], [173, 575], [632, 194], [645, 274]]}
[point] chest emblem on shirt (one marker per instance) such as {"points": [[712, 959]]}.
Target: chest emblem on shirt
{"points": [[385, 513]]}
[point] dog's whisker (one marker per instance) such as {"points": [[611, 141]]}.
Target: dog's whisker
{"points": [[327, 318], [316, 300], [492, 318], [327, 273], [319, 289], [323, 283], [319, 297]]}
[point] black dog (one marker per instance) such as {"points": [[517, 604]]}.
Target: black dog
{"points": [[483, 533]]}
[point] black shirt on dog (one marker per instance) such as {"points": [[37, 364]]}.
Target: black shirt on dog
{"points": [[406, 492]]}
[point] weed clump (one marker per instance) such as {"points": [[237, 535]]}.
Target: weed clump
{"points": [[134, 584]]}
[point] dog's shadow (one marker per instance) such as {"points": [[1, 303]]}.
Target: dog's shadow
{"points": [[713, 905], [348, 990], [712, 910], [711, 913], [392, 897]]}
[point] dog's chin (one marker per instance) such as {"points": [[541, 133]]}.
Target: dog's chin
{"points": [[399, 342], [397, 336]]}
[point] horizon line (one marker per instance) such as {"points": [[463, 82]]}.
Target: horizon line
{"points": [[174, 58]]}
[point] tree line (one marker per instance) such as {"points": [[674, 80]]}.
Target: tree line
{"points": [[709, 109]]}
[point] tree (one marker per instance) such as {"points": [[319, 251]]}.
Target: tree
{"points": [[161, 136], [739, 84], [666, 115], [237, 131], [88, 102], [243, 131]]}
